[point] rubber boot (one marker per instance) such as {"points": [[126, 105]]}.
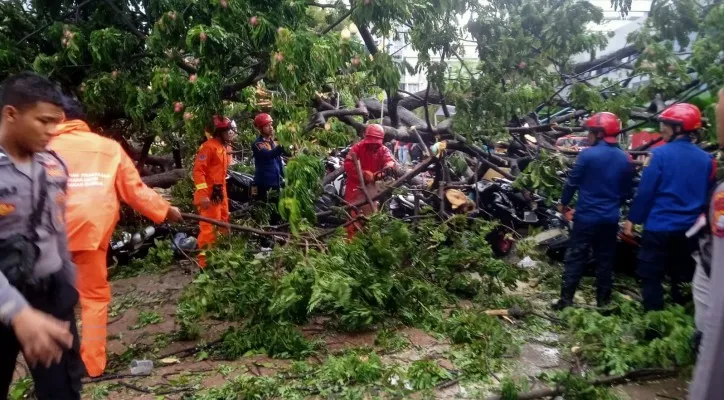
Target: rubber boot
{"points": [[603, 298], [561, 304], [566, 299]]}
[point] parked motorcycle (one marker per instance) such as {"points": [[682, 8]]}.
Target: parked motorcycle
{"points": [[127, 245]]}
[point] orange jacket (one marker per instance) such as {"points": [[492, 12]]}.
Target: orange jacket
{"points": [[101, 173], [209, 168]]}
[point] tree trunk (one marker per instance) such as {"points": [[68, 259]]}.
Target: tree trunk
{"points": [[165, 180]]}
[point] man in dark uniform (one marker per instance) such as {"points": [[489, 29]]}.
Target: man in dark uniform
{"points": [[670, 197], [269, 171], [37, 276], [603, 177]]}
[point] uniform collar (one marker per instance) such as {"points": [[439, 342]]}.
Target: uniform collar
{"points": [[71, 126], [6, 160], [602, 143], [683, 139], [262, 138]]}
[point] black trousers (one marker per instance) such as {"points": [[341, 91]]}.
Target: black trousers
{"points": [[60, 381], [270, 194], [662, 254], [601, 238]]}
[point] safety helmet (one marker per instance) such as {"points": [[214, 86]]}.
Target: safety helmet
{"points": [[606, 123], [685, 115], [374, 133], [221, 123], [262, 120]]}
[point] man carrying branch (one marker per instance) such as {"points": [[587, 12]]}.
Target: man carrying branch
{"points": [[374, 158]]}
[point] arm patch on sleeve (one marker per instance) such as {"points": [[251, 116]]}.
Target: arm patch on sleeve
{"points": [[717, 218]]}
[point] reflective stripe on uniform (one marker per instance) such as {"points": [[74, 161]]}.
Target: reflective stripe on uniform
{"points": [[202, 186]]}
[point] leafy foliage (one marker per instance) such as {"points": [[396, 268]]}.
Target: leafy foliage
{"points": [[392, 270], [281, 340], [425, 375], [146, 318], [630, 339], [296, 205], [541, 176]]}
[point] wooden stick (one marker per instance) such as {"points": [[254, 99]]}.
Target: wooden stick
{"points": [[233, 226], [363, 184], [421, 142], [638, 376]]}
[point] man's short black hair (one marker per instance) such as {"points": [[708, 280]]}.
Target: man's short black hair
{"points": [[26, 89], [73, 109]]}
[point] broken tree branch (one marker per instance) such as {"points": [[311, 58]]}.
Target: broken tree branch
{"points": [[363, 184], [633, 376], [233, 226]]}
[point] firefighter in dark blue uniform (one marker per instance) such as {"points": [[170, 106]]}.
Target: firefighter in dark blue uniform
{"points": [[602, 176], [267, 158], [672, 194]]}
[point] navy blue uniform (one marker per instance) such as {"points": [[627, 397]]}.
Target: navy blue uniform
{"points": [[671, 196], [603, 176], [269, 168]]}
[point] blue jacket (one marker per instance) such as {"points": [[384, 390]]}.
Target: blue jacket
{"points": [[268, 161], [603, 177], [674, 186]]}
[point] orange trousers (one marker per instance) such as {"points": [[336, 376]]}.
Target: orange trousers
{"points": [[207, 234], [95, 296]]}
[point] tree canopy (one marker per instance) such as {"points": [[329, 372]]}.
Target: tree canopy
{"points": [[161, 68]]}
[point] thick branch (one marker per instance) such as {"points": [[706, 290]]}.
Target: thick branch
{"points": [[368, 39], [416, 100], [165, 179], [633, 376], [229, 91], [604, 61], [339, 20]]}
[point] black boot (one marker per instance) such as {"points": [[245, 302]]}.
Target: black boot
{"points": [[566, 300], [561, 304], [603, 298]]}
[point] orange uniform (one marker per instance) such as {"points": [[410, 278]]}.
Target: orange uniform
{"points": [[210, 170], [101, 174]]}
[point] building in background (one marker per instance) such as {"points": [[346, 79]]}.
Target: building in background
{"points": [[619, 26]]}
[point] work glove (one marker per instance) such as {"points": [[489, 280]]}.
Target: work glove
{"points": [[368, 176], [217, 194]]}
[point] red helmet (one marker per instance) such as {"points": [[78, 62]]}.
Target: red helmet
{"points": [[262, 120], [374, 133], [606, 123], [221, 123], [685, 115]]}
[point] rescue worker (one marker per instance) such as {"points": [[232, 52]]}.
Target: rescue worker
{"points": [[37, 275], [267, 158], [209, 176], [374, 158], [671, 195], [707, 383], [101, 175], [603, 177]]}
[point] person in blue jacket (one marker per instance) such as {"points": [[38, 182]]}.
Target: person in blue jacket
{"points": [[269, 173], [670, 197], [602, 176]]}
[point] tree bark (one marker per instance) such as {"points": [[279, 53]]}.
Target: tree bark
{"points": [[165, 180]]}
